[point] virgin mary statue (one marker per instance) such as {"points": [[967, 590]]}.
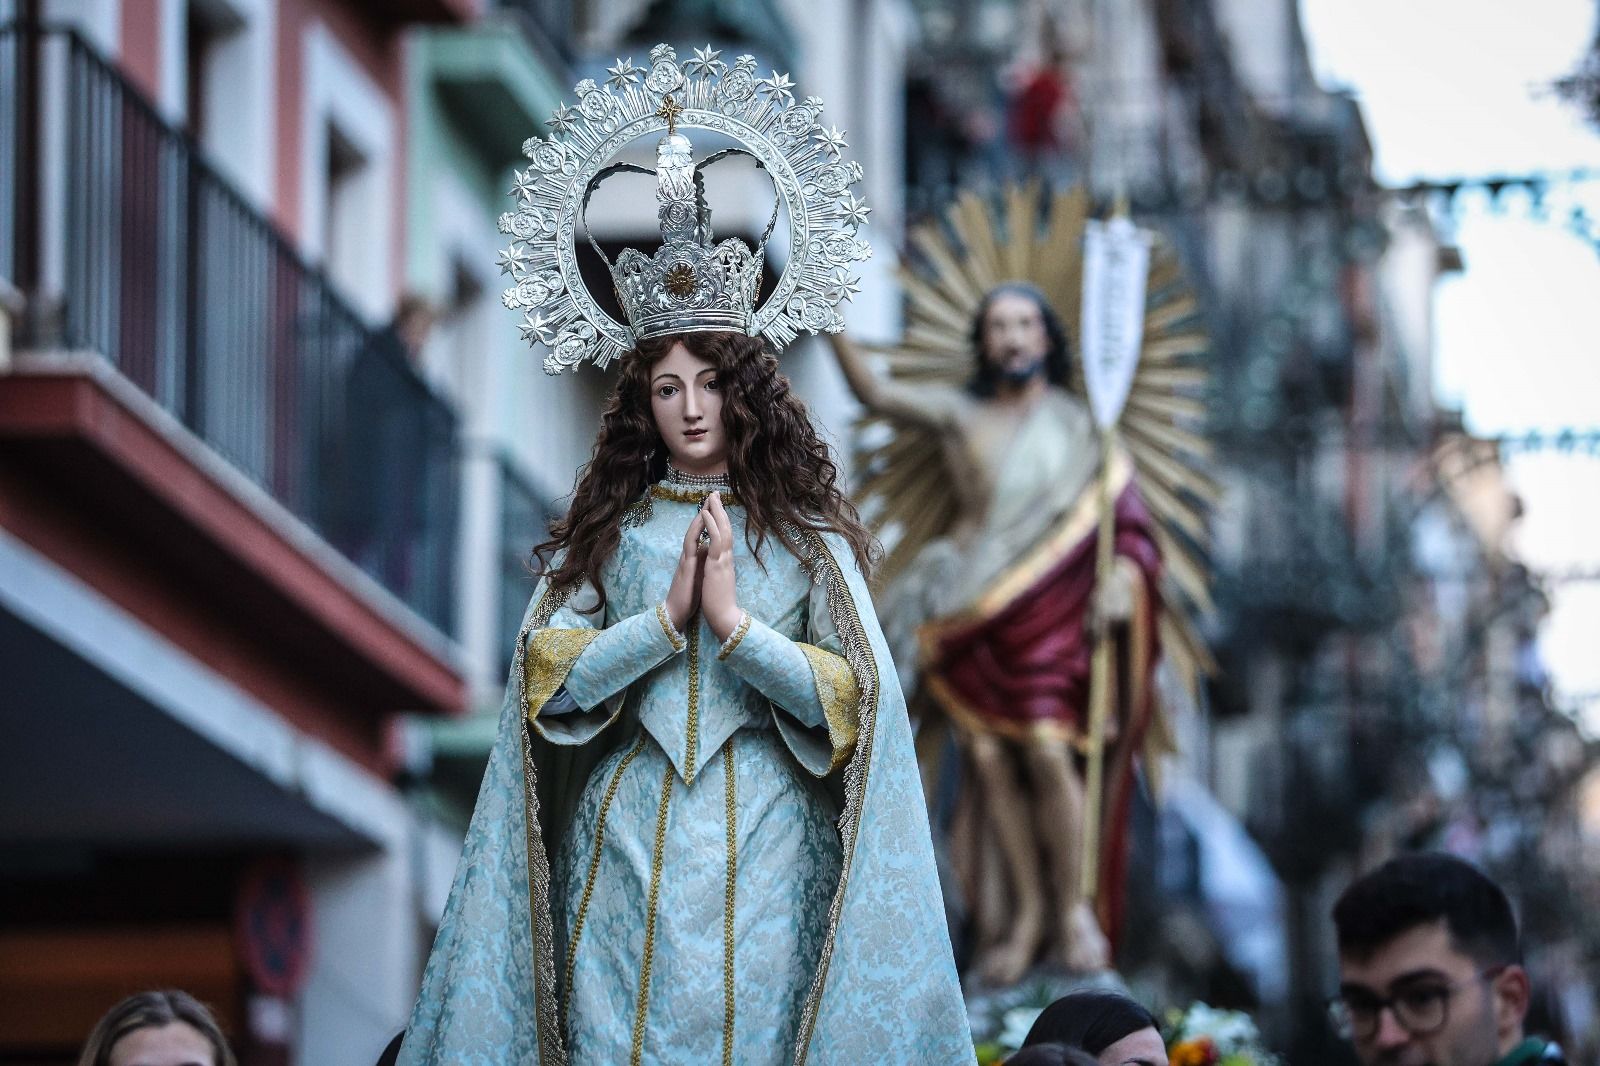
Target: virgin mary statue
{"points": [[701, 835]]}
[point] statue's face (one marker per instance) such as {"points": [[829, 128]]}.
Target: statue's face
{"points": [[687, 405], [1015, 341]]}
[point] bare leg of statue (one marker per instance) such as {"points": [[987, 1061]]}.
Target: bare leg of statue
{"points": [[1008, 815], [1058, 813]]}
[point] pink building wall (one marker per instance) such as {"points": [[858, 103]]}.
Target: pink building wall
{"points": [[377, 46], [369, 33]]}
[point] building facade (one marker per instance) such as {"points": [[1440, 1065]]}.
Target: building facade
{"points": [[230, 521]]}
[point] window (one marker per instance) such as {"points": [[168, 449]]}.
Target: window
{"points": [[347, 176], [218, 82], [346, 213], [207, 32]]}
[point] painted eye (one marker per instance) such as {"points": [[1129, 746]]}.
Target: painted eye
{"points": [[712, 384], [665, 391]]}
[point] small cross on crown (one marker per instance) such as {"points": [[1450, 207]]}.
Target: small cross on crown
{"points": [[669, 111]]}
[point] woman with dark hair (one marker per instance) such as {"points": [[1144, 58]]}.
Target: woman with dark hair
{"points": [[166, 1028], [751, 429], [1114, 1028], [1051, 1055]]}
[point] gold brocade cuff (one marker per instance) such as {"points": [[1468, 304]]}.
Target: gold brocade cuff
{"points": [[840, 696], [735, 637], [679, 642], [548, 660]]}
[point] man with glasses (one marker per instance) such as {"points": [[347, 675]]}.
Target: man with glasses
{"points": [[1430, 969]]}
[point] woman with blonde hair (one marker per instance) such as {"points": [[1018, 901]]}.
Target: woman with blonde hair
{"points": [[165, 1028]]}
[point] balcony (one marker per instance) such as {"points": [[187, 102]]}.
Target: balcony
{"points": [[125, 244]]}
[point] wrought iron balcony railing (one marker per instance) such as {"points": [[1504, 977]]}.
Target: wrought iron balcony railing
{"points": [[124, 241]]}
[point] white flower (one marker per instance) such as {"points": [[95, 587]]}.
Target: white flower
{"points": [[1014, 1025], [1232, 1031]]}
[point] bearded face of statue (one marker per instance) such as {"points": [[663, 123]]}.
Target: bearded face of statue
{"points": [[1015, 341], [1017, 338]]}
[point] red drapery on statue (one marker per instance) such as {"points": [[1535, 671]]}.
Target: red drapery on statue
{"points": [[1019, 663]]}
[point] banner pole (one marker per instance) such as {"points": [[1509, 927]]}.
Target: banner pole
{"points": [[1100, 694]]}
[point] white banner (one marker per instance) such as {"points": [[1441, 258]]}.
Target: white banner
{"points": [[1116, 266]]}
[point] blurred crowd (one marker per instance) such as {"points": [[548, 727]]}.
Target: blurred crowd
{"points": [[1430, 970]]}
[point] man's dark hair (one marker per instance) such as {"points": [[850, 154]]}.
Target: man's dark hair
{"points": [[1422, 889], [1057, 360], [1091, 1020]]}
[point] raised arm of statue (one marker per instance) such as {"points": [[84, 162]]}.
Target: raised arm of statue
{"points": [[932, 406]]}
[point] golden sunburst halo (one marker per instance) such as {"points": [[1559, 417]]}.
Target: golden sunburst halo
{"points": [[1021, 233]]}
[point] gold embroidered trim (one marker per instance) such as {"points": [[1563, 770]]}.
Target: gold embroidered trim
{"points": [[824, 568], [549, 658], [691, 495], [692, 737], [735, 637], [677, 638], [731, 808], [594, 869], [637, 514], [643, 1008], [552, 1046], [552, 1052], [840, 697]]}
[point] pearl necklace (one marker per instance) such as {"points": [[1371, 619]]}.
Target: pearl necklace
{"points": [[705, 481]]}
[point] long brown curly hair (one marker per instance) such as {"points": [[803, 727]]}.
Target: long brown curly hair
{"points": [[785, 475]]}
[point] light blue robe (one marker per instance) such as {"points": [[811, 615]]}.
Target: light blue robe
{"points": [[650, 926]]}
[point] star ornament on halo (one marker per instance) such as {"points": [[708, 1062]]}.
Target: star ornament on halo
{"points": [[853, 210], [563, 119], [624, 73], [524, 185], [833, 140], [706, 62], [513, 260], [843, 288], [534, 327], [779, 87]]}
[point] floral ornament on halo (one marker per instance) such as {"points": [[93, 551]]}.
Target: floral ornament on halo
{"points": [[1206, 1036]]}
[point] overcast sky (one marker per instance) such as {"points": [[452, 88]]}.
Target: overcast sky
{"points": [[1457, 88]]}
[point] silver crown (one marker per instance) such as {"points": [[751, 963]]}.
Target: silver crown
{"points": [[692, 283]]}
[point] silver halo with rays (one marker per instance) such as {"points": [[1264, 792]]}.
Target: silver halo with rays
{"points": [[785, 137]]}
